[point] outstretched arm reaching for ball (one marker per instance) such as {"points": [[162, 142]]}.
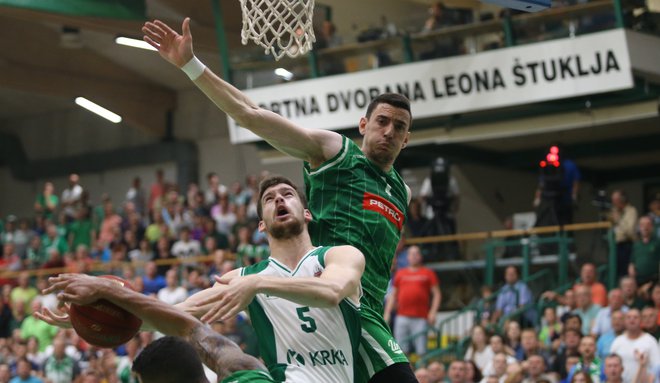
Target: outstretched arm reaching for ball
{"points": [[216, 351], [339, 280], [312, 145]]}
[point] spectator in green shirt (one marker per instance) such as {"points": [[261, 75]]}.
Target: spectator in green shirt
{"points": [[47, 201], [80, 231], [23, 292], [645, 254]]}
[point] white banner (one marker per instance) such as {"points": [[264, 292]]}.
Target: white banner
{"points": [[544, 71]]}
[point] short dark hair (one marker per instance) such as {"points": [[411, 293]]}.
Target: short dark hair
{"points": [[394, 99], [169, 360], [276, 180]]}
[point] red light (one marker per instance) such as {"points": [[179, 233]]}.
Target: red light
{"points": [[543, 164], [554, 150], [552, 157], [556, 163]]}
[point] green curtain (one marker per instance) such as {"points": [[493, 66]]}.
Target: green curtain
{"points": [[115, 9]]}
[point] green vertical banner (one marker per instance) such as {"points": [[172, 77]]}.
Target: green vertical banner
{"points": [[114, 9]]}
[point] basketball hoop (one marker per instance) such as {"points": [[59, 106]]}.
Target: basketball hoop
{"points": [[282, 27]]}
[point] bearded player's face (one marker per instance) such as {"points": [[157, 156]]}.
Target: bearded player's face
{"points": [[283, 213]]}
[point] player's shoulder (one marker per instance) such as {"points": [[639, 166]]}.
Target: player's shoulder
{"points": [[256, 268]]}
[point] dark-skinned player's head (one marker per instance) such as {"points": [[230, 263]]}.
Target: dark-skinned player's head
{"points": [[169, 360]]}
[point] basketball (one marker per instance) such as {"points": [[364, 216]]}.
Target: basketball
{"points": [[103, 323]]}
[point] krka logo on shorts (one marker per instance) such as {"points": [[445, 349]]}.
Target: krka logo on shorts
{"points": [[317, 358]]}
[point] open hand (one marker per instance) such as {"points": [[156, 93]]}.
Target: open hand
{"points": [[61, 321], [173, 47], [230, 301]]}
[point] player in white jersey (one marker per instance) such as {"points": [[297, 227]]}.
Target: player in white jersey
{"points": [[303, 301]]}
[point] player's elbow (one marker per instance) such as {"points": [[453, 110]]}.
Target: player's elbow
{"points": [[334, 295], [247, 116]]}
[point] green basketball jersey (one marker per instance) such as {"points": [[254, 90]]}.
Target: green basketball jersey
{"points": [[355, 203], [301, 343]]}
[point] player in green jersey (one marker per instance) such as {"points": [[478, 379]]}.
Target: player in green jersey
{"points": [[172, 359], [368, 204]]}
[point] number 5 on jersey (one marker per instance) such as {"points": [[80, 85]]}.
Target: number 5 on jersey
{"points": [[309, 324]]}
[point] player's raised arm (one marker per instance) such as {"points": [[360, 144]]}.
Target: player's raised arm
{"points": [[340, 279], [312, 145]]}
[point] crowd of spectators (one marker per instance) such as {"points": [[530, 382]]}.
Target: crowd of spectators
{"points": [[151, 238]]}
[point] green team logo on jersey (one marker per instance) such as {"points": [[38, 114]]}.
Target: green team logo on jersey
{"points": [[295, 356]]}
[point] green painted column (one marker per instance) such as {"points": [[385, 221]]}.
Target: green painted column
{"points": [[313, 62], [507, 24], [490, 264], [563, 259], [221, 36], [525, 261], [611, 266], [618, 13], [408, 55]]}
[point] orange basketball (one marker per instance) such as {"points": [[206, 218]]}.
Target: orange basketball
{"points": [[103, 323]]}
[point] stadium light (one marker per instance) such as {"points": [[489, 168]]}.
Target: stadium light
{"points": [[285, 74], [134, 43], [99, 110]]}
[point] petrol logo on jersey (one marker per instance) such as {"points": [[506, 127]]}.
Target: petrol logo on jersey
{"points": [[384, 207]]}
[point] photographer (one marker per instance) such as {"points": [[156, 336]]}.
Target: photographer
{"points": [[441, 194]]}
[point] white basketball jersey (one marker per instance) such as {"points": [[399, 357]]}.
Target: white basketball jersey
{"points": [[300, 343]]}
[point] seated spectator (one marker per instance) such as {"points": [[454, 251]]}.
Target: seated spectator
{"points": [[613, 369], [46, 202], [645, 253], [472, 372], [456, 373], [436, 372], [23, 291], [624, 219], [512, 339], [589, 362], [32, 326], [589, 278], [186, 247], [479, 351], [631, 299], [585, 308], [551, 328], [569, 346], [152, 281], [530, 346], [498, 347], [602, 323], [655, 299], [35, 254], [650, 321], [25, 373], [536, 370], [172, 293], [422, 375], [485, 307], [571, 361], [632, 342], [163, 254], [59, 367], [514, 295], [52, 240], [497, 372], [605, 340], [581, 377]]}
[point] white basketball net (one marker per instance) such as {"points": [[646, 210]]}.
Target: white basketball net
{"points": [[283, 27]]}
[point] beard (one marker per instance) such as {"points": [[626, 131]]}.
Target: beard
{"points": [[286, 230]]}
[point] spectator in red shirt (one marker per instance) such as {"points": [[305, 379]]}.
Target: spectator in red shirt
{"points": [[416, 293]]}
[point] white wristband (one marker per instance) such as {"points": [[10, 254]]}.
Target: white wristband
{"points": [[193, 68]]}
